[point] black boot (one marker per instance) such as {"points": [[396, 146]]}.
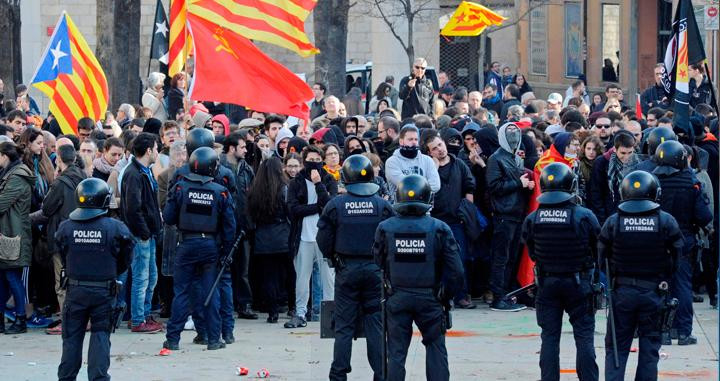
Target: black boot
{"points": [[19, 326], [2, 322]]}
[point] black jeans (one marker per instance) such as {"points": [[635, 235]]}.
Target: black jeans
{"points": [[242, 293], [505, 252], [557, 295], [272, 271]]}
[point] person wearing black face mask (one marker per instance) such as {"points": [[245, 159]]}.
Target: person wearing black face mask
{"points": [[408, 160], [456, 183], [308, 193], [353, 146]]}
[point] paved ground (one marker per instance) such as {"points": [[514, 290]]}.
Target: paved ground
{"points": [[485, 346]]}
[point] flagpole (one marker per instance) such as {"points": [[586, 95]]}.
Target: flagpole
{"points": [[186, 54], [152, 41]]}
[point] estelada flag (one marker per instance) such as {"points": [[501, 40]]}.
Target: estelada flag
{"points": [[71, 76], [470, 19], [231, 69]]}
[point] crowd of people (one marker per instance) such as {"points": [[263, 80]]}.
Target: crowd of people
{"points": [[481, 151]]}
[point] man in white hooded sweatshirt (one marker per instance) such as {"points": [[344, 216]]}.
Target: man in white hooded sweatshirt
{"points": [[407, 160]]}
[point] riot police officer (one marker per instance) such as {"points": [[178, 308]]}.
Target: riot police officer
{"points": [[656, 136], [562, 238], [203, 213], [683, 198], [422, 272], [641, 243], [94, 249], [345, 234], [198, 138]]}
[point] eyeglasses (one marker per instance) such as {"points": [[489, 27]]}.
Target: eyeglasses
{"points": [[419, 67], [602, 125]]}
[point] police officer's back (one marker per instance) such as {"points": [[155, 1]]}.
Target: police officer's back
{"points": [[683, 198], [641, 243], [561, 239], [95, 249], [203, 212], [420, 258], [345, 233]]}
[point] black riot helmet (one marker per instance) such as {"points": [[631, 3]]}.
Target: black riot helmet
{"points": [[413, 196], [639, 192], [358, 176], [204, 162], [558, 184], [93, 199], [671, 157], [198, 137], [657, 136]]}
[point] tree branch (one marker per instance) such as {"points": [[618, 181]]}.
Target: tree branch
{"points": [[507, 25], [390, 25]]}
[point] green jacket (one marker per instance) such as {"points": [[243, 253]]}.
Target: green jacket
{"points": [[16, 186]]}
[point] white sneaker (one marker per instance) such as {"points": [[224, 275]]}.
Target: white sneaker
{"points": [[189, 324]]}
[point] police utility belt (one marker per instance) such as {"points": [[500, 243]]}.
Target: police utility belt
{"points": [[646, 284], [192, 235], [578, 275], [112, 285]]}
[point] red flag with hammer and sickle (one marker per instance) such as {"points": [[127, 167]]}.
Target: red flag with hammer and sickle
{"points": [[229, 68]]}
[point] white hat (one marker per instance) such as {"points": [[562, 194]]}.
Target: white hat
{"points": [[555, 98]]}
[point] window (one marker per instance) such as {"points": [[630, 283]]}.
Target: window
{"points": [[610, 42]]}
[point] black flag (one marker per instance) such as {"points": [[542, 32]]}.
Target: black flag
{"points": [[161, 31], [684, 23]]}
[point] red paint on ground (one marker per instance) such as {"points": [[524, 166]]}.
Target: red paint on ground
{"points": [[568, 371], [703, 374], [452, 333]]}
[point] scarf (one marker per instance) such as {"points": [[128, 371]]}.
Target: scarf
{"points": [[102, 165], [41, 186], [335, 173], [617, 171]]}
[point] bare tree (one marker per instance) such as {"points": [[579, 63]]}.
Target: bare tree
{"points": [[393, 12], [118, 48], [10, 53], [330, 19]]}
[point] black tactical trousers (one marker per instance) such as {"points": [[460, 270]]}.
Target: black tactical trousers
{"points": [[557, 295], [635, 308], [357, 288], [403, 308], [83, 304]]}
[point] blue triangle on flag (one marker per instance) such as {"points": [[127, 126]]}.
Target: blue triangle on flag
{"points": [[58, 57]]}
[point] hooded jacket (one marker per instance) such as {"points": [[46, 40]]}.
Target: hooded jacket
{"points": [[60, 201], [508, 198], [200, 119], [399, 166], [224, 121], [16, 184], [284, 133]]}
